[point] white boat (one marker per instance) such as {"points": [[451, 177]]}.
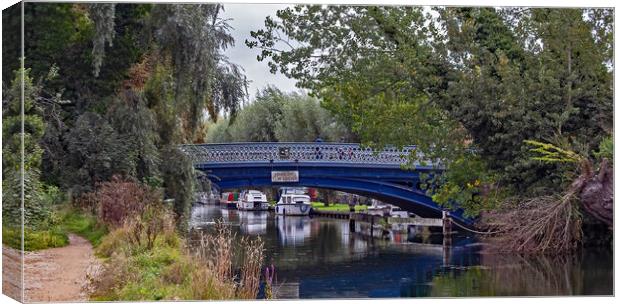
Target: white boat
{"points": [[253, 200], [378, 208], [293, 204], [398, 212]]}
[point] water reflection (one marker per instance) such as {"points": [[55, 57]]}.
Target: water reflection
{"points": [[322, 258], [293, 230], [586, 273], [253, 222]]}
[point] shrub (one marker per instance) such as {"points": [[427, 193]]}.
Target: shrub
{"points": [[121, 199]]}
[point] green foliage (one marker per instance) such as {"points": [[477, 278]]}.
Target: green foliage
{"points": [[464, 78], [136, 126], [549, 153], [102, 15], [36, 210], [194, 37], [178, 175], [606, 149], [375, 70], [85, 225], [276, 116], [34, 239], [468, 182], [218, 132], [95, 152], [257, 121], [303, 119]]}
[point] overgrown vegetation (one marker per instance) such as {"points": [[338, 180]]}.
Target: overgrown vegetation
{"points": [[135, 233], [147, 260]]}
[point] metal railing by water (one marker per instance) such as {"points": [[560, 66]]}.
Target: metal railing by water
{"points": [[301, 152]]}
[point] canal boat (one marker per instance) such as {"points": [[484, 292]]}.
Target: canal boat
{"points": [[378, 208], [253, 200], [293, 204], [228, 200], [398, 212]]}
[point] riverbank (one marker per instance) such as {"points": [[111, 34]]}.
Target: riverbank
{"points": [[55, 274], [337, 207]]}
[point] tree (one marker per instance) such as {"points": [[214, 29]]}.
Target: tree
{"points": [[135, 124], [276, 116], [469, 80], [303, 119], [22, 131], [257, 121], [178, 176], [95, 153]]}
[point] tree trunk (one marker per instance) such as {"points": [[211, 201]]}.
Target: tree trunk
{"points": [[597, 193]]}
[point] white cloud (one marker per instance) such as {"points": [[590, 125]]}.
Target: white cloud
{"points": [[246, 18]]}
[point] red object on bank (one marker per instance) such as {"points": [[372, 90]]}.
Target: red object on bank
{"points": [[312, 193]]}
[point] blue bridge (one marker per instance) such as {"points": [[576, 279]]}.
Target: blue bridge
{"points": [[386, 175]]}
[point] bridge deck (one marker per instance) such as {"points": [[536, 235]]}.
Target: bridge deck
{"points": [[302, 152]]}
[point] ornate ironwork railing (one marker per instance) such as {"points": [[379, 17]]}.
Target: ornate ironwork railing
{"points": [[307, 152]]}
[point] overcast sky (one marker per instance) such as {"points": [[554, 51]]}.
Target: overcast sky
{"points": [[246, 18]]}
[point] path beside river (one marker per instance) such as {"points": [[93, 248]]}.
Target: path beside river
{"points": [[56, 274]]}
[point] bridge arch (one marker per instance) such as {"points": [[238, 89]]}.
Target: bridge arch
{"points": [[379, 175]]}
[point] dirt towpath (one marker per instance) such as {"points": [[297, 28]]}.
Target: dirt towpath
{"points": [[55, 274]]}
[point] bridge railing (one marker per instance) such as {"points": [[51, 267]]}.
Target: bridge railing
{"points": [[307, 152]]}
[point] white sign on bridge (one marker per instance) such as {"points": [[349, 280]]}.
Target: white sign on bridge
{"points": [[284, 176]]}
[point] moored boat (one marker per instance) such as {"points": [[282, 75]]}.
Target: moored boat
{"points": [[293, 204], [228, 200], [253, 200]]}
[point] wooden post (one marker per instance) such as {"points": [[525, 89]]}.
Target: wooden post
{"points": [[447, 237], [447, 228], [372, 225]]}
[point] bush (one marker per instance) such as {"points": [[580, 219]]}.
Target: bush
{"points": [[121, 199]]}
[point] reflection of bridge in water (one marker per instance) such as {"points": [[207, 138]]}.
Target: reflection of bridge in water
{"points": [[344, 167]]}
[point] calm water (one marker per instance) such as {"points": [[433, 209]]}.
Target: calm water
{"points": [[325, 260]]}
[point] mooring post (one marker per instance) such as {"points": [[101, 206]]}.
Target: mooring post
{"points": [[352, 222], [372, 225], [447, 228]]}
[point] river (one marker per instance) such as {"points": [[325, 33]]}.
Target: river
{"points": [[321, 258]]}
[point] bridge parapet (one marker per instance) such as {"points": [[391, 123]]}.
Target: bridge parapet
{"points": [[306, 152]]}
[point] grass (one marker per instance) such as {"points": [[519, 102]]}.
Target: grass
{"points": [[170, 271], [63, 221], [84, 225], [34, 239], [337, 207]]}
